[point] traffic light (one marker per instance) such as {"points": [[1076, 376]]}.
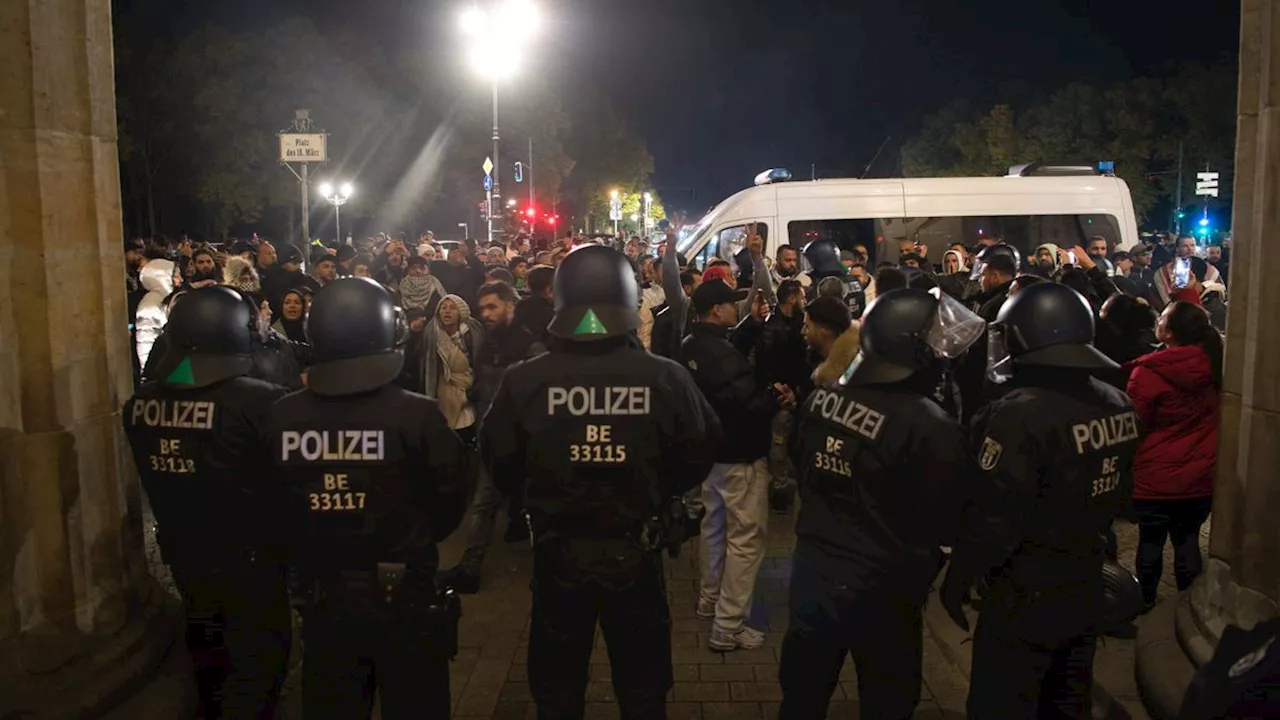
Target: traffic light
{"points": [[531, 212], [519, 170]]}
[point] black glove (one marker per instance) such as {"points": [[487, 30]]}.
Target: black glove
{"points": [[955, 595]]}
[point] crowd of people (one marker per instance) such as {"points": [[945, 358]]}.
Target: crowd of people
{"points": [[770, 343]]}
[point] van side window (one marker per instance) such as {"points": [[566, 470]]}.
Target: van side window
{"points": [[849, 235], [1024, 232], [733, 239]]}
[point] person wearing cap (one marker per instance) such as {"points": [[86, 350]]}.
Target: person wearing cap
{"points": [[1055, 457], [882, 473], [345, 255], [193, 431], [736, 492], [372, 479], [600, 437], [324, 268], [1142, 276]]}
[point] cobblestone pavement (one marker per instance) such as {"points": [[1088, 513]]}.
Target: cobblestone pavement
{"points": [[489, 680]]}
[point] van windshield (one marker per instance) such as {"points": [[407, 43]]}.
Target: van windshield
{"points": [[693, 236]]}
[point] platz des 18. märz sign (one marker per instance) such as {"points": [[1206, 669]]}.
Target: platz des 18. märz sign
{"points": [[303, 148]]}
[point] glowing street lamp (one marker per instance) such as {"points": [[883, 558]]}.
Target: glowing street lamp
{"points": [[339, 197], [497, 34]]}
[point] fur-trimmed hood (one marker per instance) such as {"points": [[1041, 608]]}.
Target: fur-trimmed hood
{"points": [[236, 266], [843, 350]]}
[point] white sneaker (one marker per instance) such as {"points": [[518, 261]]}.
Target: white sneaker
{"points": [[744, 638], [706, 609]]}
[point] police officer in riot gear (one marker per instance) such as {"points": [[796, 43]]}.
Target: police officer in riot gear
{"points": [[823, 259], [603, 438], [194, 435], [374, 479], [1054, 456], [882, 469]]}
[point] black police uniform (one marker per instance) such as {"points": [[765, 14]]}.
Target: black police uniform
{"points": [[374, 480], [882, 473], [602, 436], [194, 433], [1054, 456]]}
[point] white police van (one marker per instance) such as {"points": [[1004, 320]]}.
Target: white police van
{"points": [[1032, 205]]}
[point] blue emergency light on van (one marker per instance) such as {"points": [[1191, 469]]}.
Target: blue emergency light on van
{"points": [[772, 176], [1107, 167]]}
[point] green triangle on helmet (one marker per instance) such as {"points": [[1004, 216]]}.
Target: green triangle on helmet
{"points": [[182, 375], [590, 325]]}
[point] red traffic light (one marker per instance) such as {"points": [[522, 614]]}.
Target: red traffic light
{"points": [[531, 212]]}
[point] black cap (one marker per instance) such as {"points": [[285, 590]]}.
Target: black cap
{"points": [[595, 295], [321, 256], [715, 292], [289, 253], [355, 329], [417, 260], [346, 252], [208, 338]]}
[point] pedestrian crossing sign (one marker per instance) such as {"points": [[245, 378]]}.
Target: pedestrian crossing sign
{"points": [[183, 374], [590, 325]]}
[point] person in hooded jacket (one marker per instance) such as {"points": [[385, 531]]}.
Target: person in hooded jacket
{"points": [[160, 277], [241, 275], [451, 350], [292, 320], [1176, 392]]}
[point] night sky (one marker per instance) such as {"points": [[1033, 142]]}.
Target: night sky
{"points": [[720, 92]]}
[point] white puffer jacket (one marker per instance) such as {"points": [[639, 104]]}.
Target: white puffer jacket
{"points": [[157, 278]]}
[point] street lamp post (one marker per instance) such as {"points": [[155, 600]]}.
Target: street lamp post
{"points": [[466, 230], [339, 197], [496, 37], [613, 201], [648, 198]]}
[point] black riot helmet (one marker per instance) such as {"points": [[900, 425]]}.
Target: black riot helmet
{"points": [[891, 348], [1121, 595], [984, 256], [906, 331], [823, 257], [1048, 324], [355, 330], [208, 338], [595, 295]]}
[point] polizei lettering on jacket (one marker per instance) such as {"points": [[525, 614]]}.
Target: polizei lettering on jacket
{"points": [[331, 445], [182, 414], [851, 414], [1105, 432], [598, 401]]}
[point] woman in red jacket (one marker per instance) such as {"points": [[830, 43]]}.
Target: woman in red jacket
{"points": [[1176, 392]]}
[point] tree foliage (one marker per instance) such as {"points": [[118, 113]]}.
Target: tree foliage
{"points": [[198, 121], [1140, 124]]}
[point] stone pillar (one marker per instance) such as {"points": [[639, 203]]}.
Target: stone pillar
{"points": [[82, 624], [1241, 582]]}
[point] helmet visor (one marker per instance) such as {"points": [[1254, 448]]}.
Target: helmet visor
{"points": [[999, 362], [954, 329]]}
